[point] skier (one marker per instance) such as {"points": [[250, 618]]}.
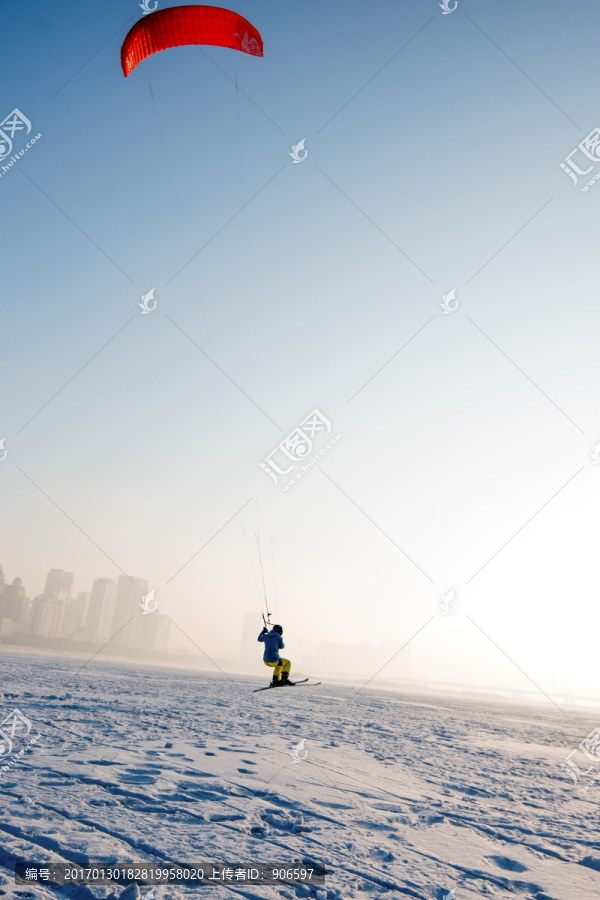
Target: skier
{"points": [[273, 642]]}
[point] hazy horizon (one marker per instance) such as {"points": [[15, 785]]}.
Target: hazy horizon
{"points": [[407, 688]]}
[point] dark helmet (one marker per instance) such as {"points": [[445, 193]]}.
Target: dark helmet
{"points": [[278, 629]]}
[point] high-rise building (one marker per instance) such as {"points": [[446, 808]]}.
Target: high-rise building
{"points": [[25, 617], [99, 622], [48, 611], [47, 617], [12, 600], [129, 597], [59, 585], [152, 632], [79, 607], [75, 616]]}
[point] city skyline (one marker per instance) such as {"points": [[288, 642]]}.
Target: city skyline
{"points": [[113, 612]]}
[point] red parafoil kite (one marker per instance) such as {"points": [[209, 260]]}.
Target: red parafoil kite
{"points": [[180, 25]]}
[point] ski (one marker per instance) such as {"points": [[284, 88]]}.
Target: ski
{"points": [[290, 683], [304, 681]]}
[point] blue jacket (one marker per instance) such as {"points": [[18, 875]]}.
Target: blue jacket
{"points": [[273, 644]]}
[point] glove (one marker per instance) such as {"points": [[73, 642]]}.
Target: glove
{"points": [[265, 630]]}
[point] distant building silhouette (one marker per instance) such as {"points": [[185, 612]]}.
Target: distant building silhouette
{"points": [[49, 609], [153, 632], [12, 600], [47, 617], [75, 616], [14, 606], [139, 631], [128, 633], [59, 585], [99, 622], [80, 606]]}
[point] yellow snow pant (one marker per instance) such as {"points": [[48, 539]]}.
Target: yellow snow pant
{"points": [[283, 665]]}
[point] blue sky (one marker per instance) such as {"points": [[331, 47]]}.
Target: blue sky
{"points": [[438, 171]]}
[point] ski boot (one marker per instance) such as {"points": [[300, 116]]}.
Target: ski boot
{"points": [[276, 681], [285, 679]]}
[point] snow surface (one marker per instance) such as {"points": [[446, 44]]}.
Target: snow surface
{"points": [[397, 795]]}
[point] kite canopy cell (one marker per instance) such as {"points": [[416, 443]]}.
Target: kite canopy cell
{"points": [[182, 25]]}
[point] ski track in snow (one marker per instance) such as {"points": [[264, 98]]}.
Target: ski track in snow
{"points": [[395, 796]]}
